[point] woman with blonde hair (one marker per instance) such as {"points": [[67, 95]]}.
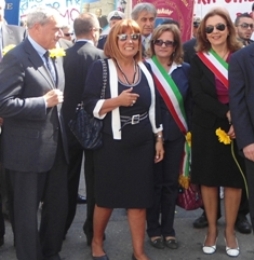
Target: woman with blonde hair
{"points": [[132, 135], [212, 162]]}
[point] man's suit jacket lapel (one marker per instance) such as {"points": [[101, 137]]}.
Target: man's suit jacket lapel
{"points": [[38, 63]]}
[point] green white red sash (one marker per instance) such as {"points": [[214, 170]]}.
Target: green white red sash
{"points": [[175, 104], [216, 64], [170, 94]]}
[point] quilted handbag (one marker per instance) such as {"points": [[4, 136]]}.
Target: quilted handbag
{"points": [[190, 198], [85, 127]]}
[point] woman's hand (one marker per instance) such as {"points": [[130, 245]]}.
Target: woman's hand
{"points": [[231, 132], [126, 98], [159, 151]]}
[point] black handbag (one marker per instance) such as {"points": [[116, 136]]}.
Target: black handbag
{"points": [[85, 127]]}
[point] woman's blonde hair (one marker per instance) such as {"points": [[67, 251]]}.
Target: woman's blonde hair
{"points": [[111, 48], [232, 43], [177, 56]]}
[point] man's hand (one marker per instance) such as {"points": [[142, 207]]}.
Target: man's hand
{"points": [[54, 97], [249, 152]]}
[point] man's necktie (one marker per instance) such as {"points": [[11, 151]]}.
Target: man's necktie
{"points": [[50, 65], [146, 43]]}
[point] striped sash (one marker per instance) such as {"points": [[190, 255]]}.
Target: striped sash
{"points": [[216, 64]]}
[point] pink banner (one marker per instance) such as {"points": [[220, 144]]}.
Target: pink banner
{"points": [[179, 10]]}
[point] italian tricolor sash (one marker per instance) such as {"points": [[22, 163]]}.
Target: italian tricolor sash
{"points": [[175, 104], [216, 64]]}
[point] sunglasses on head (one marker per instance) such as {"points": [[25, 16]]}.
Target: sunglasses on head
{"points": [[123, 37], [246, 25], [166, 43], [220, 27]]}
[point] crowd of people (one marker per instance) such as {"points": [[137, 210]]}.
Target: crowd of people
{"points": [[156, 89]]}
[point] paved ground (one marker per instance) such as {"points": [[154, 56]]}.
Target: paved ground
{"points": [[118, 241]]}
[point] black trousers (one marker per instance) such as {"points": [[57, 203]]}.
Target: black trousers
{"points": [[166, 190], [74, 169], [2, 227], [90, 195], [250, 180], [75, 161], [26, 190]]}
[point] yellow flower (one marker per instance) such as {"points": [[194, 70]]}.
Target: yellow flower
{"points": [[188, 138], [57, 52], [222, 136], [184, 181], [8, 48]]}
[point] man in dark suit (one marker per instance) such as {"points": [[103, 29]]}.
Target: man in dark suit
{"points": [[77, 61], [145, 14], [9, 34], [241, 96], [34, 144]]}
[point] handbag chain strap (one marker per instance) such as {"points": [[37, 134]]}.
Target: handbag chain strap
{"points": [[104, 78], [104, 83]]}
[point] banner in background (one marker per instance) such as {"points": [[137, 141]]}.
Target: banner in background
{"points": [[179, 10], [234, 7], [69, 9], [11, 14]]}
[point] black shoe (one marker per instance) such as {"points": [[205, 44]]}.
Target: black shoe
{"points": [[243, 225], [171, 243], [200, 222], [81, 199], [1, 241], [157, 243]]}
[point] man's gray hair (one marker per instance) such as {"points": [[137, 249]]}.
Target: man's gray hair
{"points": [[149, 8], [84, 23], [41, 15]]}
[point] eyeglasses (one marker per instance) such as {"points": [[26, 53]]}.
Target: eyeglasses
{"points": [[68, 34], [123, 37], [246, 25], [167, 43], [220, 27]]}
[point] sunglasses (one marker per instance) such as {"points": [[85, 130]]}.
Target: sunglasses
{"points": [[161, 42], [220, 27], [123, 37], [68, 34], [246, 25]]}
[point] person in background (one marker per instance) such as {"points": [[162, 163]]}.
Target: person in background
{"points": [[241, 94], [171, 21], [67, 33], [145, 14], [244, 26], [171, 78], [77, 61], [215, 167], [33, 127], [113, 18], [9, 35], [131, 135], [195, 25]]}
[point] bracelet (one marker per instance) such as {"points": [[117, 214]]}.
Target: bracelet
{"points": [[229, 122], [159, 136]]}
